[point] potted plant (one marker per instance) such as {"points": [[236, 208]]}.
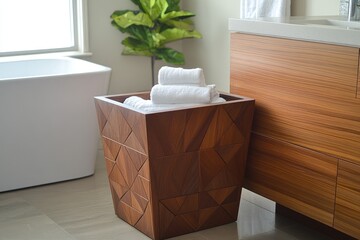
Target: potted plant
{"points": [[151, 27]]}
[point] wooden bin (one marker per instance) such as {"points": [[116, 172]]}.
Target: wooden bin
{"points": [[178, 171]]}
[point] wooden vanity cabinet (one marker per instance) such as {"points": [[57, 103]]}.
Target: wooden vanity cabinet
{"points": [[293, 176], [347, 208], [305, 92], [307, 117], [358, 84]]}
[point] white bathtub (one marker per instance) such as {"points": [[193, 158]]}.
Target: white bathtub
{"points": [[48, 124]]}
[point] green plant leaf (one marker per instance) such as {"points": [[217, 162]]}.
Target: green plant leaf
{"points": [[170, 56], [116, 14], [136, 52], [158, 40], [144, 35], [183, 24], [131, 17], [173, 5], [176, 14], [138, 32], [135, 43], [154, 8], [120, 12], [113, 23], [173, 34], [154, 24]]}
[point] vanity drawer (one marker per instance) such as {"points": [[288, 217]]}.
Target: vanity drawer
{"points": [[298, 178], [347, 208], [305, 92]]}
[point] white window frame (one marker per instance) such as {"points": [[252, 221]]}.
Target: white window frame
{"points": [[83, 29], [81, 45]]}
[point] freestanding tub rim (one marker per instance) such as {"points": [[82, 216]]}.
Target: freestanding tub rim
{"points": [[16, 70]]}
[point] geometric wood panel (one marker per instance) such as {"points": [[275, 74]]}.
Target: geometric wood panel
{"points": [[175, 172], [198, 211]]}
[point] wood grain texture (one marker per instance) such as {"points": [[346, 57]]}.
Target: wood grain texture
{"points": [[305, 92], [177, 171], [298, 178], [307, 106], [358, 84], [126, 156], [347, 214]]}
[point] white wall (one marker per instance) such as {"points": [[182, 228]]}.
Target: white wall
{"points": [[129, 73], [212, 52], [315, 7]]}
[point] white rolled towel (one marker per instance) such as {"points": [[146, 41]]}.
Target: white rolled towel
{"points": [[180, 76], [218, 100], [168, 94], [148, 106]]}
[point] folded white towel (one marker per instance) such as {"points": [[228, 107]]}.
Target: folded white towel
{"points": [[265, 8], [148, 106], [179, 76], [167, 94], [218, 99], [273, 8], [213, 92], [248, 8]]}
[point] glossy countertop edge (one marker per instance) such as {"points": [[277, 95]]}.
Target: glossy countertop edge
{"points": [[285, 28]]}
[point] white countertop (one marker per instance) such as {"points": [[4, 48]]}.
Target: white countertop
{"points": [[325, 29]]}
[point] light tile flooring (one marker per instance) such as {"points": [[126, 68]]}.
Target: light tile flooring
{"points": [[82, 209]]}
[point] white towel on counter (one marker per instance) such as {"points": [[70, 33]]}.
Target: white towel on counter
{"points": [[180, 76], [264, 8], [174, 94], [148, 106]]}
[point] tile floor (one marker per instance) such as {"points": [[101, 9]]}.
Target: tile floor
{"points": [[82, 209]]}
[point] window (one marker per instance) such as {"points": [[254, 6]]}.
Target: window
{"points": [[41, 26]]}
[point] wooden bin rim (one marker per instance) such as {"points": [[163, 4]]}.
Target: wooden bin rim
{"points": [[118, 100]]}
